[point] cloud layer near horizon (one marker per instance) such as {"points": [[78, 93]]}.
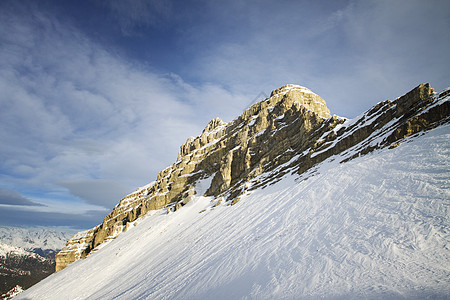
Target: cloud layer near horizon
{"points": [[84, 110], [10, 197]]}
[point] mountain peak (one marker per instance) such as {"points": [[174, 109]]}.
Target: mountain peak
{"points": [[312, 214], [289, 132], [290, 87], [295, 93], [213, 124]]}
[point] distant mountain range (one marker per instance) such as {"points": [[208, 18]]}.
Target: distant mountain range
{"points": [[27, 255], [41, 240]]}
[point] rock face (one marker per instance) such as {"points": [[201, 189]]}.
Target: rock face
{"points": [[76, 247], [291, 131]]}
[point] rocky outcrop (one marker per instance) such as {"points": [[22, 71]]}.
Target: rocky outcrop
{"points": [[289, 132], [303, 96], [76, 247]]}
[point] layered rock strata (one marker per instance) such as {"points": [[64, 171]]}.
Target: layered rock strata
{"points": [[289, 132]]}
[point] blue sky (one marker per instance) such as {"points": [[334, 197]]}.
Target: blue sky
{"points": [[97, 96]]}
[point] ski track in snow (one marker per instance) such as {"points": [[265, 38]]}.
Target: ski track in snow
{"points": [[374, 227]]}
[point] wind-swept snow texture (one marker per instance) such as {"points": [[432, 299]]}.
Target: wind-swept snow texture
{"points": [[376, 227]]}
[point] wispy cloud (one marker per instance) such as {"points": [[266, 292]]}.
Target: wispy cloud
{"points": [[352, 53], [98, 192], [393, 46], [15, 217], [10, 197]]}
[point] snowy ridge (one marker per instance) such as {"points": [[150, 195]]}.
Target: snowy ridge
{"points": [[374, 227], [439, 100], [32, 238], [8, 250], [291, 87]]}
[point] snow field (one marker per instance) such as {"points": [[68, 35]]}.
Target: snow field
{"points": [[376, 227]]}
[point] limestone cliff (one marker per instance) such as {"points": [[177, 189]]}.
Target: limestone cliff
{"points": [[289, 132]]}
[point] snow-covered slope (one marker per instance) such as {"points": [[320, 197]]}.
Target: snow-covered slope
{"points": [[376, 226]]}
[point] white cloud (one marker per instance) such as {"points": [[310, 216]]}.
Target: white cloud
{"points": [[72, 112], [97, 192], [10, 197], [352, 53]]}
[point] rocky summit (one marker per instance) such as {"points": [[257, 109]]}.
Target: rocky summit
{"points": [[292, 131]]}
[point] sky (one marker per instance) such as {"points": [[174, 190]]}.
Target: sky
{"points": [[97, 96]]}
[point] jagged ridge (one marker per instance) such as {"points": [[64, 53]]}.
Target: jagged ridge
{"points": [[289, 132]]}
